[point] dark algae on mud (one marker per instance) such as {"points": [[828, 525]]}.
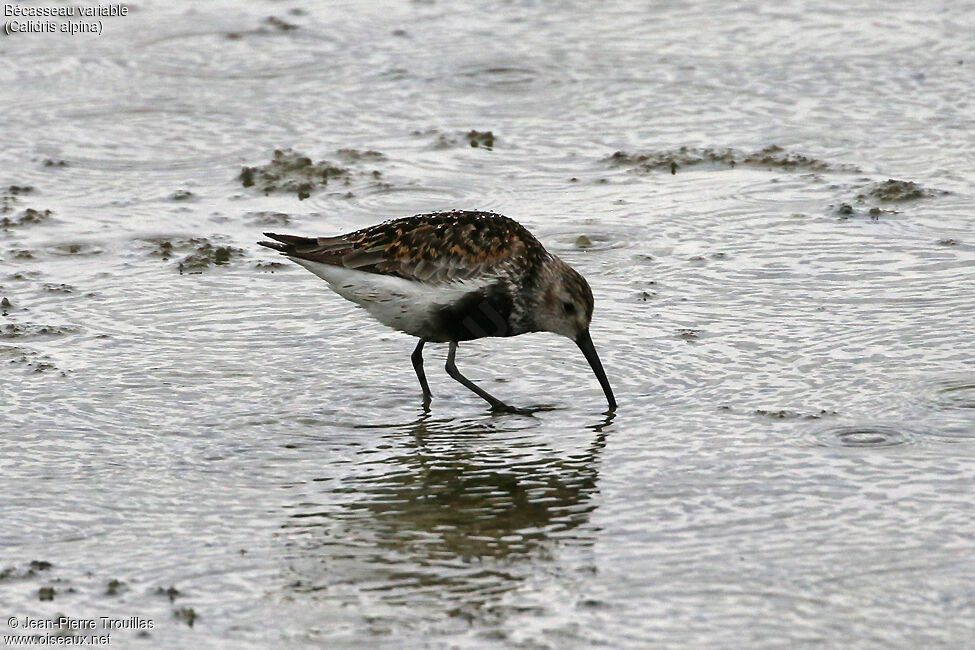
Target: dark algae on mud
{"points": [[290, 171], [771, 157]]}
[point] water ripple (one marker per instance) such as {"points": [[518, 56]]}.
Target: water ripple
{"points": [[864, 436], [956, 392], [793, 369]]}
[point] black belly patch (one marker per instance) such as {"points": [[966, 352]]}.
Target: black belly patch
{"points": [[478, 314]]}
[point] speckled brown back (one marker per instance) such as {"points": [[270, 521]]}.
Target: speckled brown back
{"points": [[434, 248]]}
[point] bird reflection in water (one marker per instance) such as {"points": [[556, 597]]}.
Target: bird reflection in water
{"points": [[462, 515]]}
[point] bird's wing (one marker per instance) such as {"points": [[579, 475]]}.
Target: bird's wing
{"points": [[434, 248]]}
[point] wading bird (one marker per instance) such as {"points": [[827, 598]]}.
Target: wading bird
{"points": [[448, 277]]}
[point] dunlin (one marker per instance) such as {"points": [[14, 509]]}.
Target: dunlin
{"points": [[456, 276]]}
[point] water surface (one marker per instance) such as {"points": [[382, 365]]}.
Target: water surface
{"points": [[793, 457]]}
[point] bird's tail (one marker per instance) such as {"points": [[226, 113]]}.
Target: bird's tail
{"points": [[288, 244]]}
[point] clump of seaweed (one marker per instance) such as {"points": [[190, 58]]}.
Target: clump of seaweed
{"points": [[269, 267], [9, 197], [28, 217], [771, 157], [785, 414], [290, 171], [892, 190], [207, 255], [114, 587], [186, 614], [480, 139], [689, 334], [474, 138], [199, 253], [31, 570], [172, 592], [164, 249], [26, 330], [845, 211], [355, 155]]}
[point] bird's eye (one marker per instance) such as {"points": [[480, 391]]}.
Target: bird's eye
{"points": [[568, 307]]}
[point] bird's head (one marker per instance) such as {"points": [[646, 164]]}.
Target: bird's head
{"points": [[564, 306], [564, 301]]}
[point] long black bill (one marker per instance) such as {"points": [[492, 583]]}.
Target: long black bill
{"points": [[584, 341]]}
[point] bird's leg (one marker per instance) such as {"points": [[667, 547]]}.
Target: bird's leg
{"points": [[417, 359], [452, 370]]}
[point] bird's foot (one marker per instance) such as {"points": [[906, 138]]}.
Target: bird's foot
{"points": [[500, 407]]}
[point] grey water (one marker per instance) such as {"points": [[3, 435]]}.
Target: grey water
{"points": [[199, 436]]}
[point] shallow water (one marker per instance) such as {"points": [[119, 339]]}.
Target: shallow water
{"points": [[793, 457]]}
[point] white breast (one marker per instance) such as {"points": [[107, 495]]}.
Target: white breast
{"points": [[402, 304]]}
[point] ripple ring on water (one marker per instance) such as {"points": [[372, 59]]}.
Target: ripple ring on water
{"points": [[863, 436]]}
